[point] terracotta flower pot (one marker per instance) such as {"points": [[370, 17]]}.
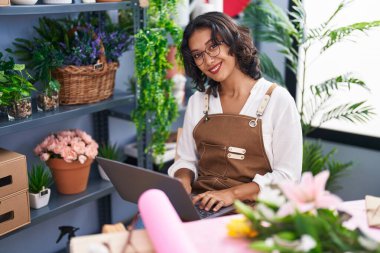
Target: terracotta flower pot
{"points": [[70, 178]]}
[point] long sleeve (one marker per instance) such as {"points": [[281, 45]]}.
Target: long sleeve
{"points": [[186, 149], [286, 139]]}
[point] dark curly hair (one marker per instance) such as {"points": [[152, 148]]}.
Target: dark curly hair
{"points": [[236, 37]]}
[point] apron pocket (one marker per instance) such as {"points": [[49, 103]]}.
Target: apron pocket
{"points": [[212, 160]]}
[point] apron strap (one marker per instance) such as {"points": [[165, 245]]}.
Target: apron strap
{"points": [[260, 110], [206, 103], [265, 101]]}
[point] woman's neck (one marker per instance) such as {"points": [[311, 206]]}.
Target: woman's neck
{"points": [[236, 85]]}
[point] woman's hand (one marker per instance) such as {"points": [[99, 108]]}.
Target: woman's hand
{"points": [[214, 199]]}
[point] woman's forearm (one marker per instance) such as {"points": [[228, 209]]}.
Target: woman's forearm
{"points": [[186, 177], [247, 191]]}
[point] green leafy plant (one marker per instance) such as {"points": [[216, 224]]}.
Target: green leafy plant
{"points": [[39, 178], [108, 151], [41, 53], [316, 161], [156, 104], [14, 81], [287, 31]]}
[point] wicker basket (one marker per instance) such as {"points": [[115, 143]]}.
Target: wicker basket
{"points": [[85, 84]]}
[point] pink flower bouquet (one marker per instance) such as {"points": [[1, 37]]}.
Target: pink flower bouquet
{"points": [[69, 145]]}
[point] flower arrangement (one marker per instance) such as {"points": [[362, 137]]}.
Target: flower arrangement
{"points": [[70, 145], [83, 48], [301, 217]]}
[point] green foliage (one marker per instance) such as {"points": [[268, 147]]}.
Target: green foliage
{"points": [[155, 100], [316, 162], [39, 178], [14, 81], [126, 20], [41, 53], [108, 151], [287, 31], [273, 25]]}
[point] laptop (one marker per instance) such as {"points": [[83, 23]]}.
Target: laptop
{"points": [[131, 181]]}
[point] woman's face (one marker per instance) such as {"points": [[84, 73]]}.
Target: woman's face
{"points": [[212, 59]]}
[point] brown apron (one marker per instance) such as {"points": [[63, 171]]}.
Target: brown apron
{"points": [[230, 148]]}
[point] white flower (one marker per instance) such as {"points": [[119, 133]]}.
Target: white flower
{"points": [[271, 196], [265, 211], [368, 243], [269, 242], [306, 244]]}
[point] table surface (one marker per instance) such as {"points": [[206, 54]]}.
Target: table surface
{"points": [[209, 234]]}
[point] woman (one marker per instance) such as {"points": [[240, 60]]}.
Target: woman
{"points": [[241, 132]]}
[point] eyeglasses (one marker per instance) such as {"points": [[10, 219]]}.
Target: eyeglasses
{"points": [[212, 50]]}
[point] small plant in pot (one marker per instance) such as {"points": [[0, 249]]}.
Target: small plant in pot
{"points": [[43, 57], [48, 99], [39, 181], [15, 89], [108, 151]]}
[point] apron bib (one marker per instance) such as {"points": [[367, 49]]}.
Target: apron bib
{"points": [[230, 148]]}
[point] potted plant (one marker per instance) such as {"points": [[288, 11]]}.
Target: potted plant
{"points": [[271, 24], [155, 102], [42, 55], [39, 181], [15, 89], [47, 58], [76, 55], [108, 151], [69, 155]]}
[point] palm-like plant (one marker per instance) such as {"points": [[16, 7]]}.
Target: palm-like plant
{"points": [[288, 31], [109, 151], [39, 178]]}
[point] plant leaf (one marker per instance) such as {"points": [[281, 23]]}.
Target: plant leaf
{"points": [[352, 112], [341, 33]]}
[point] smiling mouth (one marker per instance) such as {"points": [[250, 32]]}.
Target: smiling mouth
{"points": [[215, 69]]}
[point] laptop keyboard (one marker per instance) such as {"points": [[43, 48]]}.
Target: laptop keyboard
{"points": [[203, 213]]}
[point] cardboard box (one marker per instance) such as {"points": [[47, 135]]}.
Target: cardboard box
{"points": [[13, 173], [5, 2], [14, 211]]}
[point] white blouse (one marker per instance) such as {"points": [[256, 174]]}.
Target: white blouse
{"points": [[282, 134]]}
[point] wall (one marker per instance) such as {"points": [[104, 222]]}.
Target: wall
{"points": [[363, 177]]}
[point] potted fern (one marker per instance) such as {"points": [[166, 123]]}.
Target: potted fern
{"points": [[271, 24], [39, 181], [108, 151]]}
